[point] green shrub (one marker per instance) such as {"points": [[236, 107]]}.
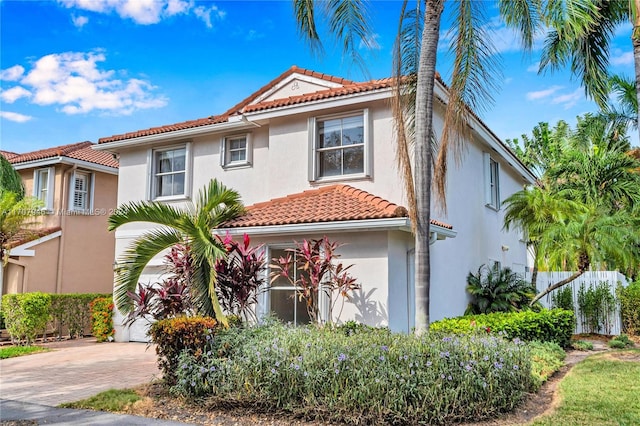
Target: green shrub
{"points": [[1, 320], [26, 315], [497, 289], [546, 359], [372, 377], [548, 325], [620, 342], [175, 335], [630, 307], [596, 304], [71, 313], [562, 298], [582, 345], [102, 318]]}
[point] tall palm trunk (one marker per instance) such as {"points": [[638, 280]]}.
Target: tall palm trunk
{"points": [[423, 160], [635, 39]]}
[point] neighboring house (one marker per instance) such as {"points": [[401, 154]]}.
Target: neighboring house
{"points": [[70, 249], [314, 155]]}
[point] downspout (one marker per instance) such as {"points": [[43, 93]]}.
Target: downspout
{"points": [[63, 222]]}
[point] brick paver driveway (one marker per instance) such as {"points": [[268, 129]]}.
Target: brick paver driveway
{"points": [[75, 370]]}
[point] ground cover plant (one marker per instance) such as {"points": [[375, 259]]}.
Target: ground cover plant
{"points": [[620, 342], [14, 351], [546, 359], [582, 345], [601, 390], [369, 376], [115, 400]]}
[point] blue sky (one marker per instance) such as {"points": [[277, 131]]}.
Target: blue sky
{"points": [[75, 70]]}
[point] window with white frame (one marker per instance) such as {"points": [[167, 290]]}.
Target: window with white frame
{"points": [[81, 191], [236, 151], [492, 182], [43, 186], [283, 300], [340, 146], [169, 172]]}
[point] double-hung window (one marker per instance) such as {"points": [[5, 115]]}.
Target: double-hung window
{"points": [[43, 186], [492, 182], [81, 191], [169, 172], [235, 151], [340, 146]]}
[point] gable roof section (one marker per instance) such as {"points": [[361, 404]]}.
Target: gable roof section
{"points": [[335, 203], [27, 235], [79, 151], [236, 109]]}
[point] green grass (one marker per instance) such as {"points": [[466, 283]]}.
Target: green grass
{"points": [[111, 400], [601, 390], [14, 351]]}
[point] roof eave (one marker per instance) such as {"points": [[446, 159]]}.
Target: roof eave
{"points": [[173, 135], [66, 160]]}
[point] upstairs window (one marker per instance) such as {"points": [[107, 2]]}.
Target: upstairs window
{"points": [[81, 191], [340, 146], [169, 172], [43, 186], [492, 182], [236, 151]]}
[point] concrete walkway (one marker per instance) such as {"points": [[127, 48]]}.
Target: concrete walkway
{"points": [[32, 385]]}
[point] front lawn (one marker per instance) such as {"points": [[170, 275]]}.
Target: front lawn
{"points": [[114, 400], [604, 389], [14, 351]]}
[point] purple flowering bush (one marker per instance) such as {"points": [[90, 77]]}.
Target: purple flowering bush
{"points": [[367, 377]]}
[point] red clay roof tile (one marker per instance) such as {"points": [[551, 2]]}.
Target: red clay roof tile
{"points": [[79, 151], [333, 203], [26, 235], [8, 154]]}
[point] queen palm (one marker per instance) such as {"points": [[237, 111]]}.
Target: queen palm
{"points": [[472, 80], [191, 225]]}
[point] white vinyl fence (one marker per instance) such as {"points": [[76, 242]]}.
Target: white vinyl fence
{"points": [[611, 323]]}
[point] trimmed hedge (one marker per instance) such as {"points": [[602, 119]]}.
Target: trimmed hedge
{"points": [[26, 315], [548, 325], [630, 308], [172, 336], [102, 318], [71, 313]]}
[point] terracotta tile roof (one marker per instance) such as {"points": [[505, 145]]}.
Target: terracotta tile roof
{"points": [[8, 154], [79, 151], [26, 235], [215, 119], [322, 94], [333, 203]]}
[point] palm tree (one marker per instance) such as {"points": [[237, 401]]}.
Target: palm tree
{"points": [[581, 34], [473, 78], [191, 225], [625, 111], [16, 213]]}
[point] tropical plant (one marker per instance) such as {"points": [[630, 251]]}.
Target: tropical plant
{"points": [[168, 298], [495, 289], [581, 34], [191, 225], [16, 214], [10, 179], [473, 79], [240, 277], [563, 299], [312, 270], [630, 307], [625, 111]]}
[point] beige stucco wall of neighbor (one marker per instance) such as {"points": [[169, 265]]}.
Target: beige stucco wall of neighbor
{"points": [[85, 262], [37, 273]]}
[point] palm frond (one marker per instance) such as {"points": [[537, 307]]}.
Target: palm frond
{"points": [[135, 258], [144, 211], [304, 11]]}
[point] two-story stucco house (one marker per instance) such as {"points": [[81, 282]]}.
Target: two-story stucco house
{"points": [[313, 155], [70, 249]]}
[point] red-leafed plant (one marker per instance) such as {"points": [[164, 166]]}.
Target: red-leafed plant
{"points": [[169, 298], [312, 268], [240, 276]]}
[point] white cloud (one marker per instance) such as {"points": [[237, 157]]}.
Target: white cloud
{"points": [[147, 12], [209, 14], [14, 116], [624, 29], [570, 99], [533, 67], [12, 74], [371, 43], [622, 58], [13, 94], [73, 81], [79, 21], [541, 94], [253, 35]]}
